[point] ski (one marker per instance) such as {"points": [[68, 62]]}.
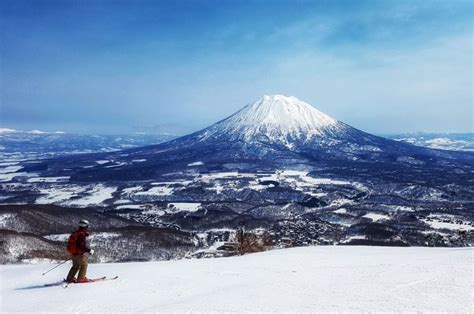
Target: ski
{"points": [[101, 279], [92, 280]]}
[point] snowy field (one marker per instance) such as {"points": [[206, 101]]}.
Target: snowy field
{"points": [[308, 279]]}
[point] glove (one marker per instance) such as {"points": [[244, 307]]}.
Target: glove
{"points": [[91, 252]]}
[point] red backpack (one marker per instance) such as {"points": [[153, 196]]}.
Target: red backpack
{"points": [[72, 243]]}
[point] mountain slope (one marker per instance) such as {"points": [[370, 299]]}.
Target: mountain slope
{"points": [[321, 279]]}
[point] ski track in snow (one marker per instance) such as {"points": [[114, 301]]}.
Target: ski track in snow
{"points": [[330, 279]]}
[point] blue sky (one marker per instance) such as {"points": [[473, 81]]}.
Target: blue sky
{"points": [[177, 66]]}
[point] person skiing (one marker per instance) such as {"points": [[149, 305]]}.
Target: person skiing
{"points": [[80, 252]]}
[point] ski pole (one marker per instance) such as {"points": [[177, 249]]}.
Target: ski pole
{"points": [[54, 267]]}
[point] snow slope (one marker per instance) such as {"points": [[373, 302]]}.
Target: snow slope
{"points": [[300, 279]]}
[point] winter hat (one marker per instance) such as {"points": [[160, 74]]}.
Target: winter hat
{"points": [[84, 223]]}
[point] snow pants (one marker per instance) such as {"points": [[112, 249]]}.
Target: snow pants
{"points": [[79, 264]]}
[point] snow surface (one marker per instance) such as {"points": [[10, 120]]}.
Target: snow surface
{"points": [[138, 160], [5, 177], [10, 169], [52, 195], [354, 237], [276, 117], [120, 164], [131, 206], [157, 190], [310, 279], [48, 179], [188, 207], [7, 130], [287, 113], [93, 237], [448, 225], [7, 219], [36, 132], [376, 217], [440, 142], [97, 195], [197, 163]]}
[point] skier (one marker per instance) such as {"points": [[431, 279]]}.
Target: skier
{"points": [[80, 253]]}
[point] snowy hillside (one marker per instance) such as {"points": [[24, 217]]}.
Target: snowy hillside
{"points": [[330, 279]]}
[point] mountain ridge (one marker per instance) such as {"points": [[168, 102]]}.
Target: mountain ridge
{"points": [[242, 141]]}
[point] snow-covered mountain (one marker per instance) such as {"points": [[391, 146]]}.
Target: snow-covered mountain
{"points": [[276, 118], [444, 141], [281, 123], [277, 124], [12, 131]]}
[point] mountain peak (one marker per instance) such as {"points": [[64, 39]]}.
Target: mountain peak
{"points": [[278, 97], [277, 118], [285, 112]]}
